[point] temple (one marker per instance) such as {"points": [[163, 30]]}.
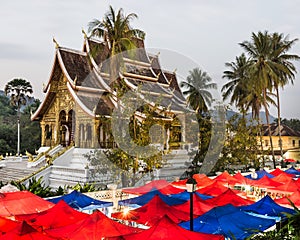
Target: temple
{"points": [[81, 97]]}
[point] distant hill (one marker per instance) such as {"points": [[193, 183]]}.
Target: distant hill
{"points": [[262, 116]]}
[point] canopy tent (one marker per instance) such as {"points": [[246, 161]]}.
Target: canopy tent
{"points": [[276, 172], [295, 198], [22, 202], [186, 196], [79, 200], [95, 226], [145, 198], [242, 180], [290, 187], [201, 179], [7, 224], [228, 197], [289, 160], [283, 177], [58, 216], [292, 170], [267, 206], [166, 229], [151, 212], [214, 189], [199, 206], [25, 232], [161, 185], [266, 182], [229, 221], [225, 177], [259, 174]]}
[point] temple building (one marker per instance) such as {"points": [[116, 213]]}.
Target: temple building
{"points": [[81, 97]]}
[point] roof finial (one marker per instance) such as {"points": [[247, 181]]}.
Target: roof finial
{"points": [[84, 34], [175, 70], [157, 54], [56, 44]]}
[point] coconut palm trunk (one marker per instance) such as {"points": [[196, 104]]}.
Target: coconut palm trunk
{"points": [[269, 127], [279, 121]]}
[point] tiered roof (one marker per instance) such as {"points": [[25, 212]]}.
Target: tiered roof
{"points": [[88, 79]]}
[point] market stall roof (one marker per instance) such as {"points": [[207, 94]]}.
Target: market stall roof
{"points": [[229, 221], [228, 197], [166, 229], [225, 177], [283, 177], [259, 174], [22, 202], [151, 212], [200, 206], [266, 182], [242, 180], [96, 226], [59, 215], [145, 198], [290, 186], [294, 198], [25, 232], [79, 200], [214, 189], [162, 185], [186, 195], [293, 170], [276, 172], [267, 206]]}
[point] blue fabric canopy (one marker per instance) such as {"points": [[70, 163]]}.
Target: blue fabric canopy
{"points": [[186, 196], [260, 174], [229, 221], [267, 206], [292, 170], [80, 201], [145, 198]]}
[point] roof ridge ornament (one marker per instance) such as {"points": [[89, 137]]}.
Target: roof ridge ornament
{"points": [[84, 34], [55, 42]]}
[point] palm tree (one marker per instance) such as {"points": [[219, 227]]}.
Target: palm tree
{"points": [[266, 69], [19, 91], [280, 46], [197, 89], [115, 29]]}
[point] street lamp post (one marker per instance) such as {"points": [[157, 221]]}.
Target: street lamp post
{"points": [[191, 188]]}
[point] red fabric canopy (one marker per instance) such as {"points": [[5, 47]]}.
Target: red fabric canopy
{"points": [[283, 178], [94, 227], [199, 206], [243, 180], [7, 225], [225, 177], [295, 198], [166, 229], [151, 212], [277, 172], [290, 186], [266, 182], [162, 185], [214, 189], [22, 202], [59, 215], [228, 197], [25, 232], [201, 179]]}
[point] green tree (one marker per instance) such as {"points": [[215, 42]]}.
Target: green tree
{"points": [[19, 90], [286, 69], [196, 88], [241, 144]]}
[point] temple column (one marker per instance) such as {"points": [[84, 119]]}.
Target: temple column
{"points": [[181, 118], [43, 137]]}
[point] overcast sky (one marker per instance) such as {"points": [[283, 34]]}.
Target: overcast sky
{"points": [[208, 32]]}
